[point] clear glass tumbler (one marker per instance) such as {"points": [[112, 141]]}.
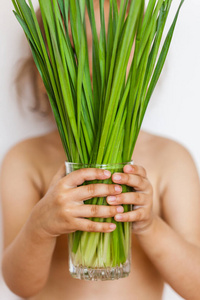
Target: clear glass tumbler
{"points": [[101, 256]]}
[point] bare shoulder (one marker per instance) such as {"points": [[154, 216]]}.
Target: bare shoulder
{"points": [[33, 151], [23, 152], [173, 156], [166, 152], [20, 165], [22, 157], [30, 157], [31, 147], [170, 159]]}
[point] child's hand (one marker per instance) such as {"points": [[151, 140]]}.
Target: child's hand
{"points": [[62, 210], [141, 198]]}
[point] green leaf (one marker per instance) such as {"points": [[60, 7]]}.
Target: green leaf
{"points": [[98, 118]]}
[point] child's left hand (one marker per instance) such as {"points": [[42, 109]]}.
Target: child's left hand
{"points": [[142, 198]]}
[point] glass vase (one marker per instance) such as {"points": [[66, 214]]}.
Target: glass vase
{"points": [[101, 256]]}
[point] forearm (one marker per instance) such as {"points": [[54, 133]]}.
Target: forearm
{"points": [[26, 262], [177, 260]]}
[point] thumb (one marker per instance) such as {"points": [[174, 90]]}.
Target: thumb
{"points": [[59, 175]]}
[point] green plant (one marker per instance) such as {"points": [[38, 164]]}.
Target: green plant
{"points": [[98, 120]]}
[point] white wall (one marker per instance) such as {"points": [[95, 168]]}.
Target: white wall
{"points": [[174, 108]]}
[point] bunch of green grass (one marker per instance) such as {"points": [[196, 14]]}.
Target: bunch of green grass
{"points": [[98, 120]]}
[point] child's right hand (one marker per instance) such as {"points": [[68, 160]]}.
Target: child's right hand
{"points": [[62, 210]]}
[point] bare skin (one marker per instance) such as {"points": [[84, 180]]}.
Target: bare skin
{"points": [[41, 206], [166, 232]]}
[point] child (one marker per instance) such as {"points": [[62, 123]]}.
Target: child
{"points": [[41, 205]]}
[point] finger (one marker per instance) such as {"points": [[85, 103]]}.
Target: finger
{"points": [[99, 211], [128, 198], [78, 177], [136, 181], [90, 191], [134, 169], [132, 216], [90, 226]]}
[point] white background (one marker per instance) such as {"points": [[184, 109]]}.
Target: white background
{"points": [[173, 111]]}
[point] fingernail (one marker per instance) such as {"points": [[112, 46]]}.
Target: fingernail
{"points": [[117, 177], [111, 198], [112, 226], [107, 173], [118, 188], [118, 217], [129, 168], [120, 209]]}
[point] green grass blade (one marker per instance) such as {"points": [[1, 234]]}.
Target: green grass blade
{"points": [[120, 72], [16, 7], [81, 64], [133, 81]]}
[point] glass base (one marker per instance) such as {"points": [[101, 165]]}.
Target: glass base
{"points": [[103, 274]]}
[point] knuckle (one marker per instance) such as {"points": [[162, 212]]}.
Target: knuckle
{"points": [[139, 181], [64, 217], [91, 189], [128, 179], [68, 211], [138, 198], [67, 214], [112, 211], [99, 172], [60, 184], [147, 200], [144, 171], [91, 227], [128, 217], [81, 172], [94, 210], [59, 199], [138, 215], [104, 227], [111, 189], [120, 199]]}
